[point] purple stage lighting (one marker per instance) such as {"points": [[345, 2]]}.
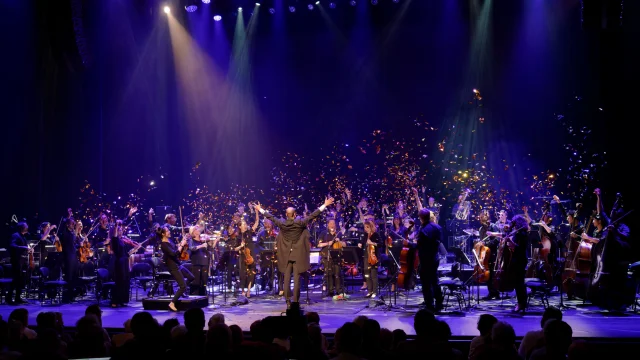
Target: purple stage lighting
{"points": [[292, 9], [353, 3], [310, 7], [206, 1], [191, 8], [332, 5], [374, 2], [396, 1], [272, 10], [217, 18]]}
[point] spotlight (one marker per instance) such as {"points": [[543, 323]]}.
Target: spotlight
{"points": [[353, 3], [332, 5], [257, 4], [272, 10], [292, 9], [191, 8], [206, 1], [167, 9], [217, 18], [317, 2], [239, 9], [396, 1], [374, 2], [310, 7]]}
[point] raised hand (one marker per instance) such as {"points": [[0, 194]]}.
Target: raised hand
{"points": [[348, 193], [132, 210], [151, 211], [328, 201], [257, 206], [597, 191], [556, 198]]}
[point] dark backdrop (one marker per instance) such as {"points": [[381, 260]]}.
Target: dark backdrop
{"points": [[120, 115]]}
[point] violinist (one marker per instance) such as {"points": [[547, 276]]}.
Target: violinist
{"points": [[489, 235], [575, 226], [327, 240], [371, 245], [267, 241], [101, 233], [69, 258], [246, 249], [398, 234], [171, 254], [48, 236], [199, 256], [120, 293], [170, 221], [18, 251], [230, 256], [518, 243]]}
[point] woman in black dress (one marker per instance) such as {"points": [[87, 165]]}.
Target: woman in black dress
{"points": [[247, 269], [371, 238], [120, 293]]}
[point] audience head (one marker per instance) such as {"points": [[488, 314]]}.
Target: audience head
{"points": [[359, 320], [348, 338], [371, 332], [216, 319], [236, 335], [502, 335], [312, 317], [127, 326], [96, 311], [398, 336], [257, 331], [557, 336], [219, 339], [441, 331], [21, 315], [386, 339], [144, 326], [485, 324], [315, 336], [194, 320], [550, 313], [423, 321], [178, 332], [46, 320]]}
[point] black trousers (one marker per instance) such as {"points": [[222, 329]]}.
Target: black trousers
{"points": [[292, 266], [493, 292], [201, 277], [120, 294], [178, 275], [521, 290], [430, 287], [232, 260], [333, 273], [18, 281], [371, 276], [70, 276]]}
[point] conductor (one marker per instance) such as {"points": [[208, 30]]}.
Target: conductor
{"points": [[293, 246]]}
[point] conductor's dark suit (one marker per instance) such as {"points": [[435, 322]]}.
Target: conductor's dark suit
{"points": [[293, 249]]}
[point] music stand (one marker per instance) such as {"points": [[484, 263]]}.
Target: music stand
{"points": [[391, 280], [314, 259]]}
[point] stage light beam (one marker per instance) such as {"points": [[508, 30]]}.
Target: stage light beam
{"points": [[167, 9], [217, 17]]}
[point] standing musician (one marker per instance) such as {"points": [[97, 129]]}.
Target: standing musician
{"points": [[575, 227], [69, 258], [171, 255], [547, 234], [332, 265], [429, 238], [371, 239], [267, 241], [434, 208], [398, 233], [518, 244], [120, 292], [199, 256], [489, 235], [48, 236], [19, 252], [101, 233], [230, 256], [170, 221], [247, 261], [293, 246]]}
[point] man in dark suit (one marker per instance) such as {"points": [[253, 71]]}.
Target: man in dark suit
{"points": [[18, 251], [293, 246], [429, 238]]}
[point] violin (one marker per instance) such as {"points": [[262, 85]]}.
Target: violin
{"points": [[248, 259], [184, 254]]}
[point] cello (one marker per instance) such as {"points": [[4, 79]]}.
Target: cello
{"points": [[481, 269], [503, 279]]}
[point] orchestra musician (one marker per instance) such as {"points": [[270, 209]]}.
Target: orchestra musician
{"points": [[199, 256], [371, 238], [267, 241], [489, 235], [332, 265], [518, 244], [171, 255], [429, 238], [120, 292], [230, 255], [19, 251], [48, 236], [69, 258], [434, 208], [293, 246], [246, 266], [101, 233]]}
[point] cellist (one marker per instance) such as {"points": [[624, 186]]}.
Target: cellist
{"points": [[489, 233]]}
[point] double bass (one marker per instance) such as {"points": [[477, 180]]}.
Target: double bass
{"points": [[539, 266], [577, 265], [481, 270], [503, 278]]}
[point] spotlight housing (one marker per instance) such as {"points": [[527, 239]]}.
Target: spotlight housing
{"points": [[206, 1], [353, 3], [272, 10], [217, 17], [317, 2], [310, 7], [292, 9], [332, 5], [374, 2], [191, 8], [167, 9], [240, 9]]}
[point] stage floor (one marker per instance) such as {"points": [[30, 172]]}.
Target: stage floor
{"points": [[586, 321]]}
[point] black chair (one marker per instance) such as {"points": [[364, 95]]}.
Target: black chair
{"points": [[5, 282], [452, 288], [51, 288], [103, 284], [141, 275]]}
